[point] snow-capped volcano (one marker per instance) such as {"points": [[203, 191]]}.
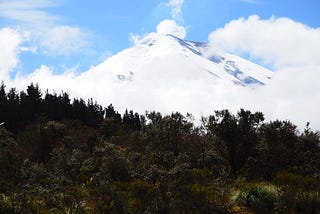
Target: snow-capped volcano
{"points": [[167, 58], [165, 73]]}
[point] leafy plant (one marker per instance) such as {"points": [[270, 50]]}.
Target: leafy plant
{"points": [[259, 197]]}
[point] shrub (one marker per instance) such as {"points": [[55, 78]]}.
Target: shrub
{"points": [[196, 198], [299, 194], [260, 198], [6, 204]]}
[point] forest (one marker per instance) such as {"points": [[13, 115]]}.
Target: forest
{"points": [[59, 155]]}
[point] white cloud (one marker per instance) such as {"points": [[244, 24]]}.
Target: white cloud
{"points": [[46, 78], [10, 40], [171, 27], [165, 27], [249, 1], [63, 40], [176, 8], [46, 31], [25, 4], [29, 12], [281, 42], [295, 94], [134, 38], [293, 49]]}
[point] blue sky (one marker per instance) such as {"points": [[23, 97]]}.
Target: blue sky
{"points": [[102, 28]]}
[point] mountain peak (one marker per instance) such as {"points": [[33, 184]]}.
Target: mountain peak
{"points": [[162, 72], [217, 63], [157, 57]]}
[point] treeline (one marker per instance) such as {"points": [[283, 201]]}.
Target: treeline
{"points": [[67, 159], [17, 109]]}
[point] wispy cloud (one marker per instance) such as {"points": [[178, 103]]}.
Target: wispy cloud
{"points": [[173, 25], [176, 8], [250, 1], [63, 40], [29, 12]]}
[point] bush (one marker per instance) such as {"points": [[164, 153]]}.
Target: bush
{"points": [[299, 194], [260, 198], [196, 198], [6, 204]]}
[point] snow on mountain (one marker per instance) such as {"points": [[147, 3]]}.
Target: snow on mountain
{"points": [[174, 58], [165, 73]]}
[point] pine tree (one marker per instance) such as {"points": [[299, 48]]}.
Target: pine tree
{"points": [[3, 103]]}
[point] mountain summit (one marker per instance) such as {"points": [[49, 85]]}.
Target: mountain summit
{"points": [[166, 70], [170, 58]]}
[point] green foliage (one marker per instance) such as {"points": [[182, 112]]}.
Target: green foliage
{"points": [[168, 133], [6, 205], [104, 198], [118, 169], [299, 193], [237, 134], [9, 162], [259, 197], [196, 198], [296, 181]]}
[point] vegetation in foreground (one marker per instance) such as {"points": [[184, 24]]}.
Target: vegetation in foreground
{"points": [[58, 156]]}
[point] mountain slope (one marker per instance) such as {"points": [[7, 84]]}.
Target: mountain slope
{"points": [[166, 73], [172, 58]]}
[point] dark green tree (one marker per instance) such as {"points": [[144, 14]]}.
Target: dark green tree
{"points": [[279, 139], [13, 122], [238, 134], [167, 136], [3, 103], [131, 120], [308, 152]]}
